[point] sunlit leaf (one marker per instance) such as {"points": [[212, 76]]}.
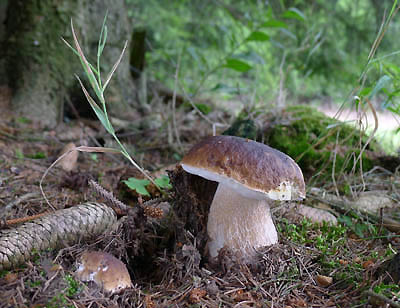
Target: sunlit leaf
{"points": [[237, 65]]}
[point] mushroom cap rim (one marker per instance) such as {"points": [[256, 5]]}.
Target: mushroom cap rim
{"points": [[284, 192]]}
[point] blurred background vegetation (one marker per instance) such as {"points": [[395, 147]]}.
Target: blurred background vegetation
{"points": [[276, 52]]}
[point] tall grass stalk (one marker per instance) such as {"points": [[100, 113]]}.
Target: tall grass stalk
{"points": [[94, 76]]}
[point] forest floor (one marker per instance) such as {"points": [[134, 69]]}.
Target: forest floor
{"points": [[350, 264]]}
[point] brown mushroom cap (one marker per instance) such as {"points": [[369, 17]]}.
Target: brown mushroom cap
{"points": [[254, 169], [105, 270]]}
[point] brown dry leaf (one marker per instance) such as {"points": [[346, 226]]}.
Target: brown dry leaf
{"points": [[343, 262], [240, 296], [368, 264], [297, 302], [56, 267], [196, 294], [324, 281], [149, 302], [10, 277], [68, 162]]}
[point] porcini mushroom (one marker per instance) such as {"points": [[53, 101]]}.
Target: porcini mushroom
{"points": [[105, 270], [250, 175]]}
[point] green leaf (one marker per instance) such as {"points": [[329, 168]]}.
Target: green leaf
{"points": [[359, 229], [85, 64], [205, 109], [19, 154], [365, 92], [97, 110], [274, 24], [237, 65], [382, 82], [163, 182], [103, 38], [294, 13], [346, 220], [288, 33], [38, 155], [257, 36], [139, 185]]}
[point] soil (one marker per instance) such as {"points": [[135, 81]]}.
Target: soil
{"points": [[161, 238]]}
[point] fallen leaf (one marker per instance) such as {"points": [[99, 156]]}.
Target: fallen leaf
{"points": [[10, 277], [368, 264], [68, 162], [196, 294], [324, 281]]}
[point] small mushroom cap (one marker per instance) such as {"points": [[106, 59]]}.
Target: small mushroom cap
{"points": [[105, 270], [253, 169]]}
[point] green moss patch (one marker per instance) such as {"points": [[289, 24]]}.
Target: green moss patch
{"points": [[317, 142]]}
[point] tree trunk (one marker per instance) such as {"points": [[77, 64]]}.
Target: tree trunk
{"points": [[40, 68]]}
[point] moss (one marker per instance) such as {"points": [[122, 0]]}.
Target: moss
{"points": [[244, 128], [311, 138]]}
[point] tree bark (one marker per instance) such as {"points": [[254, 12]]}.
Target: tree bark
{"points": [[40, 68]]}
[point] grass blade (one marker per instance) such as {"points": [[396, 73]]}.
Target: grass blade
{"points": [[77, 53], [115, 66], [99, 112], [86, 66]]}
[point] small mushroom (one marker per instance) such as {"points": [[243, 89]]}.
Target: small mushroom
{"points": [[105, 270], [250, 175]]}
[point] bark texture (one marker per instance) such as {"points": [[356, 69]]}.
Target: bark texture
{"points": [[39, 67]]}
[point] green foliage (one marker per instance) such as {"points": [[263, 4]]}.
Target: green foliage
{"points": [[330, 240], [326, 237], [19, 154], [23, 120], [61, 300], [73, 286], [163, 182], [37, 155], [139, 185], [229, 42], [94, 76], [33, 283], [311, 138], [360, 227], [388, 290], [319, 48]]}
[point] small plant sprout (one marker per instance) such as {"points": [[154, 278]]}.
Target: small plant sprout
{"points": [[139, 185], [94, 76]]}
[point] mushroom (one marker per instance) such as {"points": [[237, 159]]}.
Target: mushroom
{"points": [[250, 175], [105, 270]]}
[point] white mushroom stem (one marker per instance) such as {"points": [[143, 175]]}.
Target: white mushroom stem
{"points": [[239, 223]]}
